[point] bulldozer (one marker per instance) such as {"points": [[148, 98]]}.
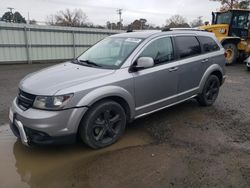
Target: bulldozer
{"points": [[232, 29]]}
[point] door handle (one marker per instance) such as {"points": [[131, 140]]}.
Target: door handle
{"points": [[173, 69], [204, 60]]}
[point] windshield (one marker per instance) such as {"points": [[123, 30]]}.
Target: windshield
{"points": [[110, 52], [224, 18]]}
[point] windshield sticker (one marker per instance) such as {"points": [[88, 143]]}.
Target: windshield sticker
{"points": [[133, 40]]}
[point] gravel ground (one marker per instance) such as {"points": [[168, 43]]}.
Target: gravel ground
{"points": [[191, 146]]}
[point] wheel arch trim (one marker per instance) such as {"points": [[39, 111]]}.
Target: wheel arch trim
{"points": [[108, 92], [209, 71]]}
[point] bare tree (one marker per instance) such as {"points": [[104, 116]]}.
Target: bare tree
{"points": [[75, 18], [197, 22], [233, 4], [50, 19], [176, 21]]}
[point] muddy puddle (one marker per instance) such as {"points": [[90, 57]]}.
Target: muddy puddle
{"points": [[48, 166]]}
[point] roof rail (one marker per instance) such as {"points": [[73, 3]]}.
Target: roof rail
{"points": [[166, 29], [130, 31], [187, 29]]}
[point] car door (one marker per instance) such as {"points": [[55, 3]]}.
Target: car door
{"points": [[190, 66], [211, 54], [156, 87]]}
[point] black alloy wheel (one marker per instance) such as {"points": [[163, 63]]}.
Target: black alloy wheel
{"points": [[103, 125], [210, 91]]}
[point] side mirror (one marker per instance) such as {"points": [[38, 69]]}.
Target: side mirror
{"points": [[145, 62], [142, 63]]}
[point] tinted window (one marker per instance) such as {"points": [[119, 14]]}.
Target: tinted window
{"points": [[161, 50], [208, 44], [188, 46]]}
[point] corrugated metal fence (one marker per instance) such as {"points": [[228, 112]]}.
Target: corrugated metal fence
{"points": [[28, 43]]}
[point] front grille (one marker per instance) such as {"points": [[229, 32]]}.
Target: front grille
{"points": [[25, 100]]}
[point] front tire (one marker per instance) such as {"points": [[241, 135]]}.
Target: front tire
{"points": [[210, 91], [231, 53], [103, 124]]}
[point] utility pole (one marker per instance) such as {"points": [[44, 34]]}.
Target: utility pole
{"points": [[119, 12], [10, 8], [12, 15], [28, 18]]}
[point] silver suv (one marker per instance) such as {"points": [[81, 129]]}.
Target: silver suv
{"points": [[121, 78]]}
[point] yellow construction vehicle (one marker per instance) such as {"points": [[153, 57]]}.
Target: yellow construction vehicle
{"points": [[232, 28]]}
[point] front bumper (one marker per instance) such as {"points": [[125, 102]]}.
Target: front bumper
{"points": [[20, 132], [45, 127]]}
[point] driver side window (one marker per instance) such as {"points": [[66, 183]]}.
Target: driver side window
{"points": [[161, 50]]}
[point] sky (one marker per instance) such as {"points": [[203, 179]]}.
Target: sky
{"points": [[100, 11]]}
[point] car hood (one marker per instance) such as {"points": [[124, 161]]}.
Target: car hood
{"points": [[53, 79]]}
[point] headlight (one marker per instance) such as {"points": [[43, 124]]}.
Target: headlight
{"points": [[51, 102]]}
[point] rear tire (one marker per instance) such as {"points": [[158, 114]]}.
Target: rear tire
{"points": [[103, 124], [210, 91], [231, 52]]}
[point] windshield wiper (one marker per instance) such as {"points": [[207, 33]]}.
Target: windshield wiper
{"points": [[85, 62], [75, 61], [89, 62]]}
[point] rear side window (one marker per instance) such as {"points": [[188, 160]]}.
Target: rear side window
{"points": [[188, 46], [208, 44]]}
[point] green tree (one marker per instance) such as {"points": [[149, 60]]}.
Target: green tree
{"points": [[7, 17], [18, 18], [139, 24], [10, 17], [233, 4]]}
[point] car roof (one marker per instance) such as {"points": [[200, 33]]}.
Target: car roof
{"points": [[156, 33]]}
